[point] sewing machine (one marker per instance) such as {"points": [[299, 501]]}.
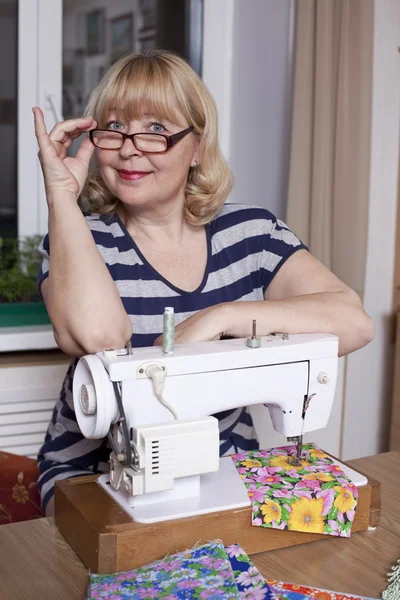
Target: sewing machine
{"points": [[165, 470]]}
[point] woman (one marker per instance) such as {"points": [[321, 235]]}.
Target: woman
{"points": [[157, 233]]}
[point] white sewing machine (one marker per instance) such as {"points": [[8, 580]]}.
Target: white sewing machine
{"points": [[165, 462]]}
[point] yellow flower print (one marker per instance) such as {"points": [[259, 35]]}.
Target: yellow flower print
{"points": [[316, 453], [306, 516], [345, 499], [271, 511], [20, 494], [282, 461], [249, 463], [319, 476]]}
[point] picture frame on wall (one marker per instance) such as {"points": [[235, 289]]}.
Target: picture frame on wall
{"points": [[95, 32], [148, 15], [121, 36]]}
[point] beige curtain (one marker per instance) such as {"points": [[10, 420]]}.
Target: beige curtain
{"points": [[331, 124]]}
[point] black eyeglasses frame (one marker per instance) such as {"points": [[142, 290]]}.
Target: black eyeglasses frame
{"points": [[170, 139]]}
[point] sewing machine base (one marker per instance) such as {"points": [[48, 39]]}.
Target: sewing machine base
{"points": [[221, 490], [107, 540]]}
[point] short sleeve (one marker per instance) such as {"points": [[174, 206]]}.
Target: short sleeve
{"points": [[278, 244], [44, 251]]}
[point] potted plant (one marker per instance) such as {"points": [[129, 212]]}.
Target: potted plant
{"points": [[20, 302]]}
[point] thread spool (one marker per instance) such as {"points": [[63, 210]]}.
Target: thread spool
{"points": [[168, 330]]}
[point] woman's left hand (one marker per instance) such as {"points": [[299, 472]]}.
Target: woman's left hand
{"points": [[206, 325]]}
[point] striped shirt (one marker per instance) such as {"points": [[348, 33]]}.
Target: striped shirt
{"points": [[246, 247]]}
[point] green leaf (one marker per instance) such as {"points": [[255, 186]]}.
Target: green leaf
{"points": [[328, 485], [332, 515], [243, 558], [284, 514], [328, 528]]}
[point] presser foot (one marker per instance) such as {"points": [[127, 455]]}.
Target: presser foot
{"points": [[296, 459]]}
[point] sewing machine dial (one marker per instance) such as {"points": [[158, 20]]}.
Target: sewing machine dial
{"points": [[94, 399]]}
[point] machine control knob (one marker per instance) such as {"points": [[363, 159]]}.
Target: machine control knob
{"points": [[88, 399], [323, 377]]}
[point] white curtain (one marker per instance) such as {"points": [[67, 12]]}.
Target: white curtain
{"points": [[331, 127]]}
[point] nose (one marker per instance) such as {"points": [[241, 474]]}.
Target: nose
{"points": [[129, 149]]}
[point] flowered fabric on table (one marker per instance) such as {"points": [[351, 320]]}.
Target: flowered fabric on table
{"points": [[285, 589], [203, 572], [315, 497], [212, 571]]}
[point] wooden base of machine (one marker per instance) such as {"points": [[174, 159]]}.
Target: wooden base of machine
{"points": [[108, 541]]}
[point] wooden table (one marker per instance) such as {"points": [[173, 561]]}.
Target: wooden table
{"points": [[37, 564]]}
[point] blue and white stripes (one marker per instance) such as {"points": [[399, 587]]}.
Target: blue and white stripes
{"points": [[246, 247]]}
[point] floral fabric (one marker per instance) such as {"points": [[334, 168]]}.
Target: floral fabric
{"points": [[280, 587], [211, 572], [19, 498], [249, 581], [316, 497], [203, 572]]}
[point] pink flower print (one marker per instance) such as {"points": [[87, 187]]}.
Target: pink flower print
{"points": [[250, 478], [260, 454], [343, 481], [345, 533], [147, 593], [257, 493], [350, 515], [292, 473], [276, 526], [335, 470], [274, 470], [288, 508], [250, 577], [312, 484], [254, 594], [328, 497], [269, 479], [234, 550], [257, 522], [207, 561], [340, 516], [172, 566], [188, 584], [282, 493], [207, 594], [241, 470], [240, 456], [303, 493], [333, 525], [263, 472]]}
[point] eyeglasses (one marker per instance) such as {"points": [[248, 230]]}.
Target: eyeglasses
{"points": [[145, 142]]}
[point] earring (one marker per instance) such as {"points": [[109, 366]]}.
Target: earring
{"points": [[196, 164]]}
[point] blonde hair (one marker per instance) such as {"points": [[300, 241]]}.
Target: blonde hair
{"points": [[162, 82]]}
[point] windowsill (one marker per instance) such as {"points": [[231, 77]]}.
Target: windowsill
{"points": [[33, 337]]}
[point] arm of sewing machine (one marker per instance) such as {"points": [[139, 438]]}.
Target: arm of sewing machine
{"points": [[157, 405]]}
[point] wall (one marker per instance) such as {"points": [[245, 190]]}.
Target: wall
{"points": [[368, 382], [243, 54], [247, 67]]}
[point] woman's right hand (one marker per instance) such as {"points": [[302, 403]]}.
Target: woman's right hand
{"points": [[63, 173]]}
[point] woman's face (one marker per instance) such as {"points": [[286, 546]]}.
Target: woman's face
{"points": [[144, 180]]}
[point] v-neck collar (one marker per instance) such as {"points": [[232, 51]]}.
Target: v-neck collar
{"points": [[158, 275]]}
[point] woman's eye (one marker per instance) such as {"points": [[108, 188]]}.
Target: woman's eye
{"points": [[114, 125], [157, 127]]}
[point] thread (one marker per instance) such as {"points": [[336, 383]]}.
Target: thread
{"points": [[168, 330]]}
